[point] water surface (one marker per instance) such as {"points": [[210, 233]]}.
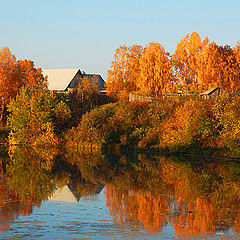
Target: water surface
{"points": [[94, 195]]}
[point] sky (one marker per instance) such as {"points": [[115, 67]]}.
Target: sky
{"points": [[84, 34]]}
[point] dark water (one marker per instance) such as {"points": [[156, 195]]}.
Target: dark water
{"points": [[52, 194]]}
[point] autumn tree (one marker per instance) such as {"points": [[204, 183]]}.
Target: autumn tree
{"points": [[155, 70], [217, 66], [228, 70], [184, 59], [196, 65], [9, 77], [236, 51], [30, 76], [14, 75], [207, 67], [124, 71]]}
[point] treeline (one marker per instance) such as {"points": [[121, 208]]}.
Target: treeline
{"points": [[177, 126], [196, 65]]}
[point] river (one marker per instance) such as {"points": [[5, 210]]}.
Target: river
{"points": [[52, 194]]}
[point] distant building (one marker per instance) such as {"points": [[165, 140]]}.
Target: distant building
{"points": [[63, 80], [213, 92]]}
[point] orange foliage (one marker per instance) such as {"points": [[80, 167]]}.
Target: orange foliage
{"points": [[196, 65], [17, 74], [190, 124], [11, 207], [156, 70], [31, 77], [182, 202], [9, 75], [185, 57], [149, 210], [124, 70]]}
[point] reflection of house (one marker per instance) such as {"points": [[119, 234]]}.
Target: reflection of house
{"points": [[62, 80], [213, 92], [70, 193], [63, 194]]}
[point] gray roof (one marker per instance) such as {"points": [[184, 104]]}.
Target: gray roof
{"points": [[97, 78], [59, 79]]}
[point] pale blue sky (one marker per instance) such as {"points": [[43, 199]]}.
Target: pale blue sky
{"points": [[85, 34]]}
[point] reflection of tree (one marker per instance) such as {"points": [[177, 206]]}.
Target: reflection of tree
{"points": [[11, 207], [93, 165], [195, 200], [149, 191], [26, 183], [150, 210], [31, 174]]}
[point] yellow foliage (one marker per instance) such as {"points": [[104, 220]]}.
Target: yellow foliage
{"points": [[155, 70]]}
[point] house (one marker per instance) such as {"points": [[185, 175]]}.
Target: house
{"points": [[213, 92], [64, 80]]}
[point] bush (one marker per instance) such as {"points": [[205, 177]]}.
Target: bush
{"points": [[227, 112], [35, 117], [191, 125], [175, 125]]}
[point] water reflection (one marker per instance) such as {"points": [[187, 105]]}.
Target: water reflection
{"points": [[195, 196], [194, 199]]}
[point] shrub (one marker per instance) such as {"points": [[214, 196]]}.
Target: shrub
{"points": [[178, 125], [34, 118], [227, 112], [191, 125]]}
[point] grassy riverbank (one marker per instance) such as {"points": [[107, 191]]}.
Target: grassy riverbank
{"points": [[189, 125], [176, 126]]}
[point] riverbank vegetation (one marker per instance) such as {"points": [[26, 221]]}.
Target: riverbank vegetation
{"points": [[176, 126]]}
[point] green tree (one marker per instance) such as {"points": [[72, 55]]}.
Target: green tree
{"points": [[34, 117]]}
